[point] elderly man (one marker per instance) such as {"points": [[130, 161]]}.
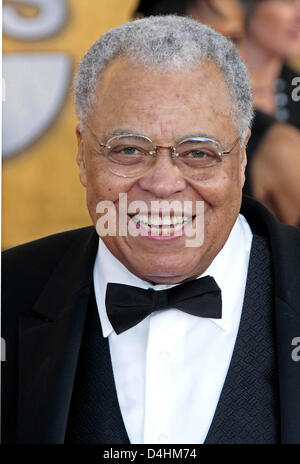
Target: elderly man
{"points": [[181, 324]]}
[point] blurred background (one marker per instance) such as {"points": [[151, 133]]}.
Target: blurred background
{"points": [[43, 41]]}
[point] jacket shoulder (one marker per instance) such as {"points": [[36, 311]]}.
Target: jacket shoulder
{"points": [[285, 237], [56, 243], [285, 248], [26, 267]]}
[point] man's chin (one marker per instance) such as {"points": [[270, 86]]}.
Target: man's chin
{"points": [[162, 275], [159, 264], [166, 280]]}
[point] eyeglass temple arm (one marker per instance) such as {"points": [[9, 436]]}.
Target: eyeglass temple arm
{"points": [[94, 135], [229, 151]]}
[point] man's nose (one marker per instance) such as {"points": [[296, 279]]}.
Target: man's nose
{"points": [[164, 178]]}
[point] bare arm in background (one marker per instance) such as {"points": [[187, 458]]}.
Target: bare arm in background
{"points": [[275, 172]]}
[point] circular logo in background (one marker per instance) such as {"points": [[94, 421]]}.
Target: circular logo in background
{"points": [[35, 84]]}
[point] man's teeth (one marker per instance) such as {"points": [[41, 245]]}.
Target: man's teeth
{"points": [[152, 221]]}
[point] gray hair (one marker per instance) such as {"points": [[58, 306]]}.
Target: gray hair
{"points": [[166, 43]]}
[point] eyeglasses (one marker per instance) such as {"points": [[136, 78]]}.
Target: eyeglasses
{"points": [[132, 155]]}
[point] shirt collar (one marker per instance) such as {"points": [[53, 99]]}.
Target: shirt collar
{"points": [[224, 268]]}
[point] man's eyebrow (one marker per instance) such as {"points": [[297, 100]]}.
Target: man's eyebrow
{"points": [[192, 135], [124, 131]]}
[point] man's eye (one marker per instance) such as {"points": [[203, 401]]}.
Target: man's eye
{"points": [[125, 150], [199, 154], [129, 150]]}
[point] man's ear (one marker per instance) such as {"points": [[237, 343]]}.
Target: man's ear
{"points": [[244, 156], [80, 156]]}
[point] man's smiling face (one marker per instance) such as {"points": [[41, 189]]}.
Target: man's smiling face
{"points": [[164, 107]]}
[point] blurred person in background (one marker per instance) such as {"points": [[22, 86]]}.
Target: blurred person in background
{"points": [[272, 38], [225, 17], [275, 171], [273, 149]]}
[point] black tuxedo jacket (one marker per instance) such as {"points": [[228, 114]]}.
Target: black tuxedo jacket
{"points": [[46, 286]]}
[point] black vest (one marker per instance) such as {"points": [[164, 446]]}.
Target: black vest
{"points": [[248, 409]]}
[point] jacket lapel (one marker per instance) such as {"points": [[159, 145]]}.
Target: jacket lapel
{"points": [[286, 259], [288, 329], [49, 345]]}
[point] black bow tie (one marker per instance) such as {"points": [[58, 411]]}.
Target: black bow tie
{"points": [[126, 306]]}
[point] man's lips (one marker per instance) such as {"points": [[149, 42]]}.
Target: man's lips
{"points": [[161, 220], [162, 225]]}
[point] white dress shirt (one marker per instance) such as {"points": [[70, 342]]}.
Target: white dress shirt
{"points": [[170, 368]]}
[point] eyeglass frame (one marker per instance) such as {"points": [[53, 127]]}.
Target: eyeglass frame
{"points": [[174, 154]]}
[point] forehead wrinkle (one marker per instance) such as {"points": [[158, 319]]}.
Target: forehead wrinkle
{"points": [[167, 133]]}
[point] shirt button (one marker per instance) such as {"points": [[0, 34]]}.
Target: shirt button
{"points": [[162, 438], [164, 355]]}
